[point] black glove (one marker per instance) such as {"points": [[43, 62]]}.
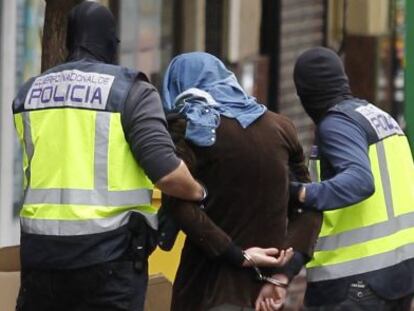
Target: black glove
{"points": [[167, 228]]}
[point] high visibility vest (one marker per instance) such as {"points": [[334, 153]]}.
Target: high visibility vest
{"points": [[379, 231], [80, 175]]}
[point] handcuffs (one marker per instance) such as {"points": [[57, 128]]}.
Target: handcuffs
{"points": [[262, 277]]}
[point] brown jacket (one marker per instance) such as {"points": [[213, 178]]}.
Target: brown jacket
{"points": [[246, 173]]}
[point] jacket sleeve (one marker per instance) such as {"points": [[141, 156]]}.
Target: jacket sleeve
{"points": [[303, 226], [344, 145], [145, 128], [196, 224]]}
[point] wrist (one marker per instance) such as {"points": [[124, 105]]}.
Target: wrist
{"points": [[279, 280], [233, 255], [281, 277], [294, 266], [251, 263], [248, 260]]}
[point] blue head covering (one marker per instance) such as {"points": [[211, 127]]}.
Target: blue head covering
{"points": [[198, 86]]}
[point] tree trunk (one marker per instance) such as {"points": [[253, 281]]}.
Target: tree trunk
{"points": [[54, 32]]}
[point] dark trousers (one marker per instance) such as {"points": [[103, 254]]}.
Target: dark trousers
{"points": [[364, 299], [114, 286]]}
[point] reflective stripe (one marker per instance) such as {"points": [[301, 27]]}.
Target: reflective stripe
{"points": [[314, 170], [78, 212], [88, 197], [364, 234], [385, 178], [361, 265], [362, 250], [81, 227], [27, 133], [102, 123]]}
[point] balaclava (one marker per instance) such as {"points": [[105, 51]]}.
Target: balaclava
{"points": [[91, 32], [320, 81]]}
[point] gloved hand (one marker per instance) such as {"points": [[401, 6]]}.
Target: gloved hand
{"points": [[167, 228]]}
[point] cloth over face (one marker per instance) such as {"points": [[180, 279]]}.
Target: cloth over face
{"points": [[320, 81], [92, 31], [198, 86]]}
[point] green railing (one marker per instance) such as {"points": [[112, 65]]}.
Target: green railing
{"points": [[409, 71]]}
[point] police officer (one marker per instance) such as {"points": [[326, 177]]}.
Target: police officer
{"points": [[95, 142], [364, 256]]}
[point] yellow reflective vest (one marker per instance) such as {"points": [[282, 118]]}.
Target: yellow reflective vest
{"points": [[378, 232], [80, 175]]}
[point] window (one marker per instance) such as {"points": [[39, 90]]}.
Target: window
{"points": [[146, 36]]}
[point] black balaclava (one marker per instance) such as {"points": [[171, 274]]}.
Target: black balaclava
{"points": [[91, 33], [320, 81]]}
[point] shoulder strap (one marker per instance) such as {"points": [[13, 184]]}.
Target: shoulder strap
{"points": [[377, 123]]}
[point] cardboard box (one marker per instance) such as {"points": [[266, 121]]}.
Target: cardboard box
{"points": [[9, 277], [158, 294]]}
